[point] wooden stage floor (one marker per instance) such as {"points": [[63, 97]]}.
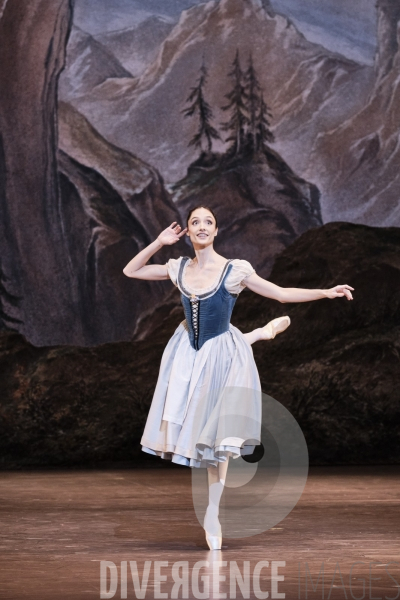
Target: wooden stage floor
{"points": [[57, 526]]}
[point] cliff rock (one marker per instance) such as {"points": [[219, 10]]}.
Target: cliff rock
{"points": [[356, 165], [38, 293]]}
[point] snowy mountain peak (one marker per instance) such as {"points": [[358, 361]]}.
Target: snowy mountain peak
{"points": [[233, 6]]}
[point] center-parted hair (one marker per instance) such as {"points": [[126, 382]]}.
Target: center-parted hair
{"points": [[206, 208]]}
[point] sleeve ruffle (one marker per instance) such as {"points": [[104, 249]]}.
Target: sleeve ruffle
{"points": [[173, 269], [240, 270]]}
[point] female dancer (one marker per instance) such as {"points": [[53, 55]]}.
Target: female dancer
{"points": [[207, 354]]}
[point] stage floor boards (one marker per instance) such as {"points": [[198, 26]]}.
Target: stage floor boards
{"points": [[56, 527]]}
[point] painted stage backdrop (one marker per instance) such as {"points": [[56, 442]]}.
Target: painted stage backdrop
{"points": [[116, 117]]}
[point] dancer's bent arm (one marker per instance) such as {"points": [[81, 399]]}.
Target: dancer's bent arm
{"points": [[137, 267]]}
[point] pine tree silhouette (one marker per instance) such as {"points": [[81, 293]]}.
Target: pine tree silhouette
{"points": [[237, 105], [253, 90], [263, 132], [199, 105]]}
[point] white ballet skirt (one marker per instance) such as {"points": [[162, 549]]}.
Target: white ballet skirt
{"points": [[191, 420]]}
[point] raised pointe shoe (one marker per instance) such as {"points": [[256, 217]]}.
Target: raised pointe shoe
{"points": [[214, 541], [275, 326]]}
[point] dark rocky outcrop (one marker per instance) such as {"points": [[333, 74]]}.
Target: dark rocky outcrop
{"points": [[336, 368], [113, 205], [262, 206]]}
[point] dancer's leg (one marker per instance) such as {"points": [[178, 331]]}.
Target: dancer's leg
{"points": [[253, 336], [216, 483]]}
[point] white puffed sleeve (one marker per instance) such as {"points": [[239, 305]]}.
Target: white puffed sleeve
{"points": [[173, 268], [240, 270]]}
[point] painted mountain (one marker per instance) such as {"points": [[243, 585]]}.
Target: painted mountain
{"points": [[137, 47], [88, 64], [309, 89]]}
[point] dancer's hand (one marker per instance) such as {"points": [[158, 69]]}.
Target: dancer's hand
{"points": [[171, 234], [339, 291]]}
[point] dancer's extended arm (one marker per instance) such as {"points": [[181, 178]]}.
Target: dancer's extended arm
{"points": [[266, 288]]}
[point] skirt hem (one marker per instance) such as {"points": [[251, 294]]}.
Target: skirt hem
{"points": [[206, 456]]}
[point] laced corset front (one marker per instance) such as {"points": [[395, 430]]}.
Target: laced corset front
{"points": [[195, 296], [194, 305], [207, 312]]}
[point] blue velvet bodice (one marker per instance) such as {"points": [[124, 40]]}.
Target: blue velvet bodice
{"points": [[209, 314]]}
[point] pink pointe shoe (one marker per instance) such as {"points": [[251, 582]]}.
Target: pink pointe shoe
{"points": [[269, 331]]}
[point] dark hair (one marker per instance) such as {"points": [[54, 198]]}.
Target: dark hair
{"points": [[206, 208]]}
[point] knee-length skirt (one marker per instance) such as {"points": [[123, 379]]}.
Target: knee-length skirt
{"points": [[207, 403]]}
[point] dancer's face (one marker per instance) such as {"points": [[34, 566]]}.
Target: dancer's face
{"points": [[201, 228]]}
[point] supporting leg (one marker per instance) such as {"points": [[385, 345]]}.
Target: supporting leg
{"points": [[216, 483]]}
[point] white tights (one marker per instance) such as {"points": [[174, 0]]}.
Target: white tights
{"points": [[216, 483]]}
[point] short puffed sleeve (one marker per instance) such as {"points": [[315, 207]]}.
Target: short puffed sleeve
{"points": [[173, 268], [240, 270]]}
